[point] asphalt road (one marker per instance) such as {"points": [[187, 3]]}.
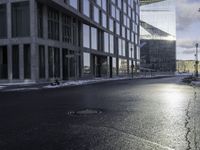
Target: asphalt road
{"points": [[143, 114]]}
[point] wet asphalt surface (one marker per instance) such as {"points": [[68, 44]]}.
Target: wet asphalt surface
{"points": [[143, 114]]}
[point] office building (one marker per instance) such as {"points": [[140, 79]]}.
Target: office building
{"points": [[158, 35], [42, 40]]}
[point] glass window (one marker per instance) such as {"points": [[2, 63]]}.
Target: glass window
{"points": [[40, 20], [3, 21], [111, 44], [117, 28], [94, 38], [53, 24], [111, 25], [128, 34], [41, 62], [114, 66], [125, 7], [125, 23], [96, 14], [138, 53], [119, 3], [113, 1], [86, 36], [104, 5], [123, 67], [3, 62], [86, 63], [54, 62], [15, 61], [27, 62], [118, 14], [113, 11], [104, 20], [99, 2], [119, 46], [123, 32], [106, 42], [123, 48], [66, 29], [73, 3], [20, 19], [131, 50], [86, 8]]}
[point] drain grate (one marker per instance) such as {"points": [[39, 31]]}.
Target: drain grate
{"points": [[85, 112]]}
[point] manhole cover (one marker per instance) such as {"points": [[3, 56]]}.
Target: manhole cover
{"points": [[85, 112]]}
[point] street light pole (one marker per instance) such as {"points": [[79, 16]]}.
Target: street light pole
{"points": [[196, 62], [132, 62]]}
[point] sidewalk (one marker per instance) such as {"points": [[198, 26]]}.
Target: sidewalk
{"points": [[9, 87]]}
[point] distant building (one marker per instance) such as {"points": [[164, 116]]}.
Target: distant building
{"points": [[158, 35], [43, 40], [185, 66]]}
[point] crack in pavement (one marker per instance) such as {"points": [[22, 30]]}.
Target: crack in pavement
{"points": [[195, 134], [187, 126]]}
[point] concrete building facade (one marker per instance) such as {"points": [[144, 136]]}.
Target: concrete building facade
{"points": [[42, 40]]}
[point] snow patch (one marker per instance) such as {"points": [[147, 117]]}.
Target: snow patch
{"points": [[20, 89], [84, 82]]}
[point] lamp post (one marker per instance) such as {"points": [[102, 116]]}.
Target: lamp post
{"points": [[132, 62], [196, 62]]}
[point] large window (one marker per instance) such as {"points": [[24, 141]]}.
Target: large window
{"points": [[41, 62], [27, 62], [54, 62], [15, 61], [3, 23], [114, 66], [106, 42], [20, 19], [73, 3], [3, 62], [86, 63], [40, 20], [121, 47], [86, 36], [96, 14], [111, 25], [93, 38], [86, 8], [104, 20], [111, 44], [123, 67], [66, 29], [53, 24]]}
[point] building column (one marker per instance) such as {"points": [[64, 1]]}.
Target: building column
{"points": [[33, 29], [9, 46], [46, 62], [21, 62], [60, 37], [61, 64]]}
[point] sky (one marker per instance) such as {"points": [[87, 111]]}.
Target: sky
{"points": [[188, 28]]}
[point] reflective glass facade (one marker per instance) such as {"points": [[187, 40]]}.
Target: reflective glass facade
{"points": [[158, 35]]}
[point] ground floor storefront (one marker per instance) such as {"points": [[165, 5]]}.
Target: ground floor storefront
{"points": [[28, 62]]}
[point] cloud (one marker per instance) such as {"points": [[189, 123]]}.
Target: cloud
{"points": [[187, 13], [186, 43]]}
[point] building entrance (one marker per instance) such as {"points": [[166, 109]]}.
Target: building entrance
{"points": [[69, 64], [100, 66]]}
